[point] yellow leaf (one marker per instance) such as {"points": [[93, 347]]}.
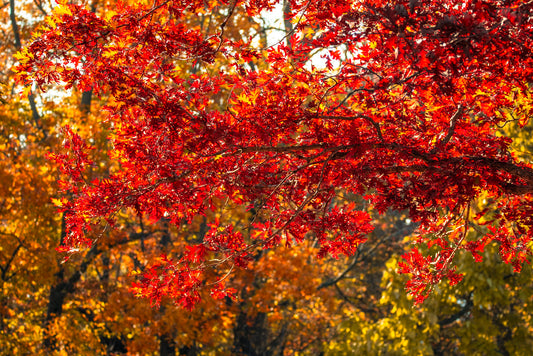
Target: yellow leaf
{"points": [[62, 10], [243, 98], [23, 56], [109, 14], [309, 32], [59, 202], [50, 21], [26, 91]]}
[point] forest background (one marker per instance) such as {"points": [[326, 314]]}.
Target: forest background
{"points": [[287, 302]]}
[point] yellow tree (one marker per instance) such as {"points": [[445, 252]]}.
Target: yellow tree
{"points": [[488, 313]]}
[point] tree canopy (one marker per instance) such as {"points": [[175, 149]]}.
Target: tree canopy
{"points": [[263, 196], [404, 109]]}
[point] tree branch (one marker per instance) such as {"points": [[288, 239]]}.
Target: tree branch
{"points": [[464, 310], [14, 26], [8, 264], [451, 130], [18, 45]]}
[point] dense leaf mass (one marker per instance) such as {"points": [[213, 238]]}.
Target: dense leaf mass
{"points": [[403, 108]]}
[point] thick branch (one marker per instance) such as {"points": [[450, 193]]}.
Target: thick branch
{"points": [[287, 22], [5, 269], [16, 32], [18, 45], [464, 310], [430, 163], [451, 130], [453, 122]]}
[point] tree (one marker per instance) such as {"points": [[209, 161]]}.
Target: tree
{"points": [[487, 314], [27, 180], [407, 118], [84, 306]]}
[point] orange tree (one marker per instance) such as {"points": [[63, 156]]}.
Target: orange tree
{"points": [[27, 180]]}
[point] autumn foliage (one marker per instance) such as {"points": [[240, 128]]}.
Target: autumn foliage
{"points": [[261, 195], [403, 108]]}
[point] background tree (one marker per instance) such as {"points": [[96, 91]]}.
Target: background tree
{"points": [[224, 152], [487, 313]]}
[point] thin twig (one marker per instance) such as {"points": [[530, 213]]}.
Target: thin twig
{"points": [[223, 25], [451, 130]]}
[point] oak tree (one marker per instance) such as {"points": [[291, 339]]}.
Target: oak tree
{"points": [[403, 109]]}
